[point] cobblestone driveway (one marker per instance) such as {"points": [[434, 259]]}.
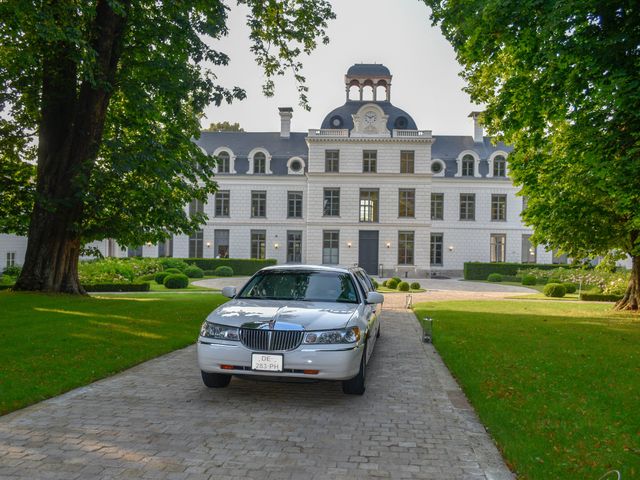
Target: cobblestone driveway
{"points": [[158, 421]]}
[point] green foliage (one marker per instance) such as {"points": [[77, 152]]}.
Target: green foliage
{"points": [[160, 276], [481, 270], [116, 270], [392, 283], [13, 271], [609, 282], [404, 286], [385, 283], [224, 127], [599, 297], [494, 277], [147, 277], [193, 272], [175, 263], [560, 83], [7, 280], [173, 270], [375, 284], [529, 280], [116, 287], [176, 280], [240, 266], [570, 287], [209, 273], [223, 271], [555, 290], [397, 279], [415, 286]]}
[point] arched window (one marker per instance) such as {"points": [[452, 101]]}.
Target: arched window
{"points": [[224, 162], [468, 163], [259, 163], [499, 166]]}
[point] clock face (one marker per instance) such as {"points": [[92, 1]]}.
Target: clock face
{"points": [[370, 118]]}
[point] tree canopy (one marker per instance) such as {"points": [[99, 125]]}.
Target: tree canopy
{"points": [[560, 82], [224, 127], [100, 101]]}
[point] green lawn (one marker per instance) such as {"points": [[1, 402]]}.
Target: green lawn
{"points": [[382, 289], [556, 384], [53, 343]]}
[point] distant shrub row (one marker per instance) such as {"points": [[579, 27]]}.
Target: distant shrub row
{"points": [[481, 270]]}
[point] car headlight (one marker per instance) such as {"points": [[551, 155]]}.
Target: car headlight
{"points": [[220, 332], [346, 335]]}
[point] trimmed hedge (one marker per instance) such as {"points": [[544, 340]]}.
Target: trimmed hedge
{"points": [[223, 271], [193, 272], [481, 270], [397, 279], [528, 280], [555, 290], [415, 286], [392, 283], [172, 271], [170, 262], [494, 277], [176, 280], [240, 266], [570, 287], [160, 276], [599, 297], [209, 273], [117, 287], [404, 286]]}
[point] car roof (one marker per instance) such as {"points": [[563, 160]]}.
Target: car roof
{"points": [[315, 268]]}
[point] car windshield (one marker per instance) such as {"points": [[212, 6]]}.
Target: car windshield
{"points": [[304, 285]]}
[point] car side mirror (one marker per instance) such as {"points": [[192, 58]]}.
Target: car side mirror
{"points": [[229, 292], [375, 297]]}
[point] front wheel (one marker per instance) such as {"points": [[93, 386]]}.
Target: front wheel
{"points": [[215, 380], [356, 385]]}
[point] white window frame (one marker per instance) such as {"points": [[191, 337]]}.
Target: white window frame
{"points": [[267, 155], [232, 158], [476, 164], [293, 172], [506, 167]]}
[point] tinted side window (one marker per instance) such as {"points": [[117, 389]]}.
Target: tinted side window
{"points": [[364, 282]]}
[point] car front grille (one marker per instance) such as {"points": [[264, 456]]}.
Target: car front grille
{"points": [[270, 340]]}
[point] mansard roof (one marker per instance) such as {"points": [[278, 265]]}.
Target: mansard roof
{"points": [[241, 143], [450, 146], [352, 106]]}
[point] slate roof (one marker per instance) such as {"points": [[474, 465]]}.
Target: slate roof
{"points": [[368, 70], [352, 106]]}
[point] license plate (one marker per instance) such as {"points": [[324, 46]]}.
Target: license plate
{"points": [[266, 363]]}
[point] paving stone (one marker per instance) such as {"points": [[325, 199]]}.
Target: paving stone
{"points": [[157, 421]]}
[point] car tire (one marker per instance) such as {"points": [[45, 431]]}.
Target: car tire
{"points": [[356, 385], [215, 380]]}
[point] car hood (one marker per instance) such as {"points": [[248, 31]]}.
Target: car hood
{"points": [[308, 315]]}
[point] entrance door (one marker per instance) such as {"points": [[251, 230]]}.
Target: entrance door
{"points": [[368, 251]]}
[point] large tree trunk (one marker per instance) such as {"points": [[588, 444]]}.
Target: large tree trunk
{"points": [[70, 134], [631, 298]]}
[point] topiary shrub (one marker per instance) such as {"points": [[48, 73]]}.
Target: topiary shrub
{"points": [[223, 271], [175, 263], [384, 283], [555, 290], [528, 280], [415, 286], [397, 279], [160, 276], [494, 277], [176, 280], [193, 272], [404, 286], [392, 283], [172, 270], [375, 284], [570, 287]]}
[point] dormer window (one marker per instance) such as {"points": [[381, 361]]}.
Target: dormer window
{"points": [[499, 166], [224, 162], [468, 166], [259, 163]]}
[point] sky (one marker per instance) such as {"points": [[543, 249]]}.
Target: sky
{"points": [[395, 33]]}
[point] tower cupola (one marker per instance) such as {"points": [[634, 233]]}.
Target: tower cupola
{"points": [[362, 76]]}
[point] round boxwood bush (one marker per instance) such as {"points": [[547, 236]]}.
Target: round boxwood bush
{"points": [[528, 280], [176, 280], [397, 279], [175, 263], [160, 276], [494, 277], [556, 290], [224, 271], [570, 287], [415, 286], [404, 286], [172, 270], [384, 283], [392, 283], [193, 272]]}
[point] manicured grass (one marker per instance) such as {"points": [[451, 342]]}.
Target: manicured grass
{"points": [[557, 384], [539, 288], [156, 287], [53, 343], [541, 296]]}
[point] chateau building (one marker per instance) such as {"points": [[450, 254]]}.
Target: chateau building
{"points": [[367, 187]]}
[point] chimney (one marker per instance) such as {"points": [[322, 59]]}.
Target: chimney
{"points": [[285, 121], [478, 133]]}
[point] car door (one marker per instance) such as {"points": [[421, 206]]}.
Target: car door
{"points": [[371, 312]]}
